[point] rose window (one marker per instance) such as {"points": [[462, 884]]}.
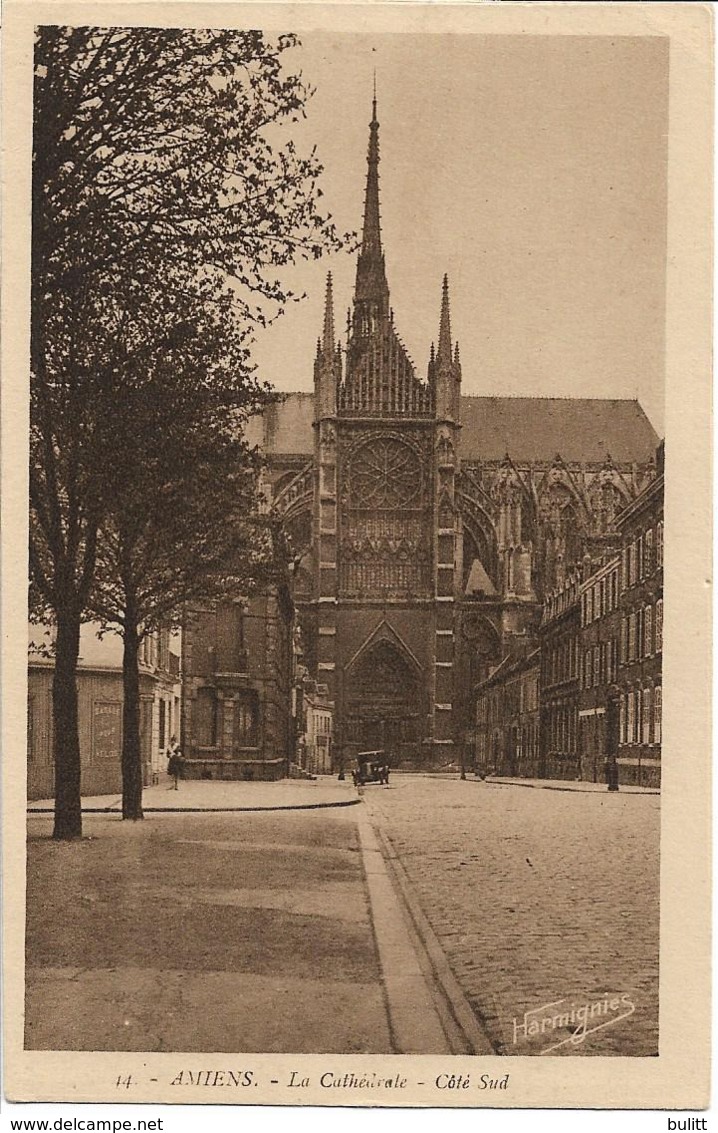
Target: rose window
{"points": [[385, 473]]}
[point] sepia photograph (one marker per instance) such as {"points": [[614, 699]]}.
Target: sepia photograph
{"points": [[347, 434]]}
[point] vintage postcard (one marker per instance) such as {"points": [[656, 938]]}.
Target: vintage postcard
{"points": [[356, 417]]}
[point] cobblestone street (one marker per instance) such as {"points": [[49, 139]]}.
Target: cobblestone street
{"points": [[539, 898]]}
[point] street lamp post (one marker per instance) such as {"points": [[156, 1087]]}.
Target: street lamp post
{"points": [[339, 741], [612, 737]]}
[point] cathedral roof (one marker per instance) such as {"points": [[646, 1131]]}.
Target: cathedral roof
{"points": [[532, 429], [535, 429]]}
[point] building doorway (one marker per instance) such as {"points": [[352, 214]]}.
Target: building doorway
{"points": [[384, 704]]}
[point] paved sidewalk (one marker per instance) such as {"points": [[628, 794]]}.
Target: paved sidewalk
{"points": [[199, 795], [203, 932]]}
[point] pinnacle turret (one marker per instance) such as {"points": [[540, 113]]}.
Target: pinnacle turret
{"points": [[446, 368], [328, 333], [443, 355], [327, 366]]}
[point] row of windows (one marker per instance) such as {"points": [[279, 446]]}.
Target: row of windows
{"points": [[527, 746], [640, 718], [562, 729], [206, 719], [323, 723], [557, 603], [642, 556], [600, 599], [642, 633], [154, 651], [600, 665], [640, 722], [516, 698], [562, 662], [503, 748]]}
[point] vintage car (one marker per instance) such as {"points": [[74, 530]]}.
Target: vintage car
{"points": [[372, 767]]}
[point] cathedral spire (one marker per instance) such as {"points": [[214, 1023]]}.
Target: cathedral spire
{"points": [[379, 378], [371, 233], [371, 294], [443, 354]]}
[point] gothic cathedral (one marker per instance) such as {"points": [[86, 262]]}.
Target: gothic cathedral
{"points": [[428, 526]]}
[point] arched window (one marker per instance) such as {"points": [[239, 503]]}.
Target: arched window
{"points": [[657, 710], [631, 637], [648, 551], [637, 724], [630, 716], [648, 631], [622, 719], [659, 544], [647, 710], [659, 625], [624, 568]]}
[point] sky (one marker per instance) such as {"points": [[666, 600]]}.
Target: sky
{"points": [[531, 169]]}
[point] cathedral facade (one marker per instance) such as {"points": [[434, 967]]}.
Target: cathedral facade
{"points": [[429, 527]]}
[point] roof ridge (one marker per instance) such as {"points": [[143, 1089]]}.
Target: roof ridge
{"points": [[539, 397]]}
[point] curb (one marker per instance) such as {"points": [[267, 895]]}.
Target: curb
{"points": [[569, 790], [415, 1023], [463, 1016], [205, 809]]}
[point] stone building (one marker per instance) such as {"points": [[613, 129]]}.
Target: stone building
{"points": [[507, 740], [100, 700], [560, 637], [429, 526], [641, 605], [599, 656], [238, 671], [318, 721]]}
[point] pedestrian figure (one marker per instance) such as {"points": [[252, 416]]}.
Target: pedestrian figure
{"points": [[174, 763]]}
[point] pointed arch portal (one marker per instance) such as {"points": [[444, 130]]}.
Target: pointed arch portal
{"points": [[384, 701]]}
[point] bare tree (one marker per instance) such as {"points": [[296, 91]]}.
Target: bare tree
{"points": [[161, 170]]}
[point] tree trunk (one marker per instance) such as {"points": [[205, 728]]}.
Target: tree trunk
{"points": [[66, 738], [131, 752]]}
